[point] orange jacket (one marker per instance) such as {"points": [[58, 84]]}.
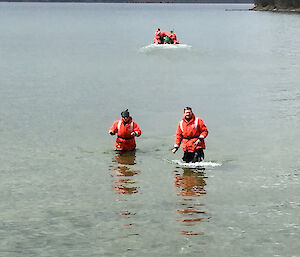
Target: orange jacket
{"points": [[174, 38], [165, 33], [157, 37], [188, 132], [125, 141], [157, 34], [156, 41]]}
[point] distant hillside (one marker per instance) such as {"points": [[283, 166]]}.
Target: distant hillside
{"points": [[277, 5], [177, 1], [138, 1]]}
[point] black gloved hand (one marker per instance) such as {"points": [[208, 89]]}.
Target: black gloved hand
{"points": [[174, 150]]}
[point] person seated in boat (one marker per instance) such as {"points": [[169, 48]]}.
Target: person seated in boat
{"points": [[167, 40], [157, 37], [165, 36], [173, 38]]}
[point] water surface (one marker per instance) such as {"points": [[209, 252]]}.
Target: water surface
{"points": [[66, 73]]}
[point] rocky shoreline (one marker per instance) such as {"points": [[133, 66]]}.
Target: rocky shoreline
{"points": [[271, 8]]}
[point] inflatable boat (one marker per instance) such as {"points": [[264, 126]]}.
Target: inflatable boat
{"points": [[163, 37]]}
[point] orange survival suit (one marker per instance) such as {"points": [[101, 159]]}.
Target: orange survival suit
{"points": [[125, 141], [188, 132], [174, 38], [164, 34], [157, 37]]}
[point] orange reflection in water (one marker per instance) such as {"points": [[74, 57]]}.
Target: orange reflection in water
{"points": [[126, 190], [190, 211], [123, 175], [123, 180], [190, 183], [125, 158], [190, 233], [190, 186], [126, 213], [125, 184]]}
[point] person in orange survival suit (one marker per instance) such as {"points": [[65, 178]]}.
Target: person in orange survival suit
{"points": [[126, 131], [191, 132], [157, 37], [165, 35], [173, 38]]}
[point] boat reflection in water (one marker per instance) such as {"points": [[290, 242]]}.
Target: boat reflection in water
{"points": [[190, 186], [123, 176]]}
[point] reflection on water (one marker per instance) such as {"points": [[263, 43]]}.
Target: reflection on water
{"points": [[125, 184], [190, 186], [123, 181], [125, 158]]}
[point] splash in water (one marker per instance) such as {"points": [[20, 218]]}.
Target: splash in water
{"points": [[156, 47], [196, 164]]}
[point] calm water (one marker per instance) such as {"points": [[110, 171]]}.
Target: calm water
{"points": [[66, 73]]}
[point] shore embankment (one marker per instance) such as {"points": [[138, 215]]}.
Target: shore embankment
{"points": [[290, 6], [271, 8]]}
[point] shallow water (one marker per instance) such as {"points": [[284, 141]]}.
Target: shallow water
{"points": [[66, 73]]}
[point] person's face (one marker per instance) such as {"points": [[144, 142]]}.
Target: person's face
{"points": [[188, 114], [125, 119]]}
